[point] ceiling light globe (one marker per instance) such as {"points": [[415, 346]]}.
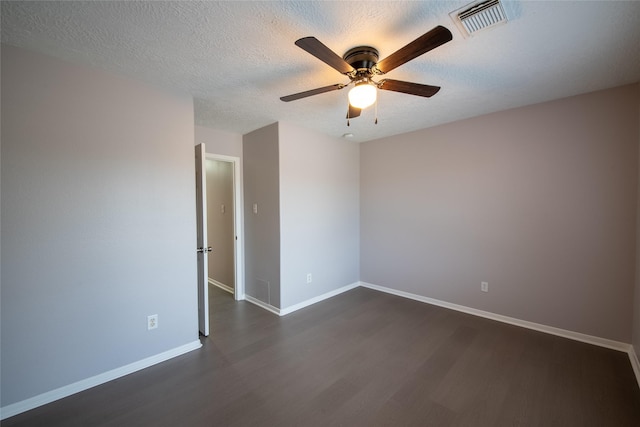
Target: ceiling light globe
{"points": [[362, 95]]}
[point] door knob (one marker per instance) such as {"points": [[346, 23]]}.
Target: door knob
{"points": [[204, 250]]}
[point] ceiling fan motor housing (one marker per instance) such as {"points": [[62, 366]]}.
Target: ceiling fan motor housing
{"points": [[361, 57]]}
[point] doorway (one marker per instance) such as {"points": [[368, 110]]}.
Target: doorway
{"points": [[224, 223], [227, 216]]}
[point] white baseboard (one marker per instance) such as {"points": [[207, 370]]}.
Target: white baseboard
{"points": [[221, 286], [303, 304], [577, 336], [68, 390], [262, 304], [300, 305]]}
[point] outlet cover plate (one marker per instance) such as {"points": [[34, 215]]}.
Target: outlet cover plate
{"points": [[152, 322]]}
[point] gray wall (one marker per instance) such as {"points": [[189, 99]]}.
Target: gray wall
{"points": [[262, 230], [98, 223], [538, 201], [219, 142], [319, 213], [220, 232]]}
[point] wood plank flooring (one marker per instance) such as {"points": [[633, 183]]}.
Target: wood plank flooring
{"points": [[363, 358]]}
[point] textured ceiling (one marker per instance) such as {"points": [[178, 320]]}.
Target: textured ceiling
{"points": [[238, 58]]}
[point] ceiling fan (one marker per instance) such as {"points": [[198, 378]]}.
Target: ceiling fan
{"points": [[361, 64]]}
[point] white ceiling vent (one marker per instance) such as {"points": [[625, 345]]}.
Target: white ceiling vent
{"points": [[478, 16]]}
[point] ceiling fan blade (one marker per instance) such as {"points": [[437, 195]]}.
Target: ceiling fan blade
{"points": [[323, 53], [353, 112], [426, 42], [311, 92], [408, 87]]}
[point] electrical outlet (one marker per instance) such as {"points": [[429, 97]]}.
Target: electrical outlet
{"points": [[484, 286], [152, 321], [309, 278]]}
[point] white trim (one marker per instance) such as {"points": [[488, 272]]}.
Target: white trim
{"points": [[262, 304], [238, 220], [221, 285], [635, 364], [87, 383], [303, 304], [577, 336], [222, 157]]}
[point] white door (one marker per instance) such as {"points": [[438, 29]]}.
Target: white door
{"points": [[203, 249]]}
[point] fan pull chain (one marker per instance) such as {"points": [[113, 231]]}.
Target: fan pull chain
{"points": [[348, 111], [376, 122]]}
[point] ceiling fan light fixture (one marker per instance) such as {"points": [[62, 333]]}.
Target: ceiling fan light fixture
{"points": [[363, 95]]}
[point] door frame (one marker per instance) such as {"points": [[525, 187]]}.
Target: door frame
{"points": [[238, 220]]}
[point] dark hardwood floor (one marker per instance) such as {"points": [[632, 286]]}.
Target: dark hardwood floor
{"points": [[363, 358]]}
